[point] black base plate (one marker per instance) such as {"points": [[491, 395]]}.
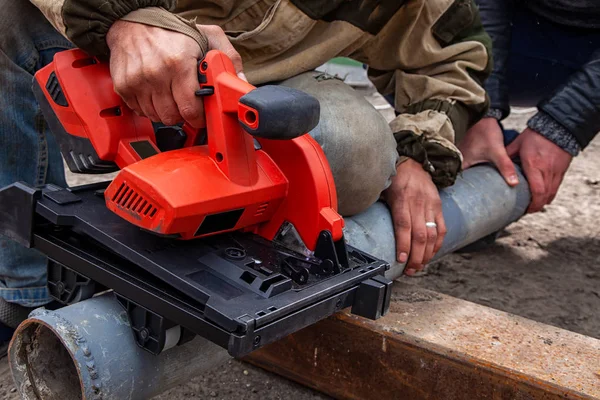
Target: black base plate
{"points": [[238, 290]]}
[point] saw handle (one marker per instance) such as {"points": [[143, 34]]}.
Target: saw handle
{"points": [[269, 112], [97, 132], [283, 113], [233, 108]]}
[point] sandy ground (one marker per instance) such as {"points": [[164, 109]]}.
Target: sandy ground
{"points": [[545, 267]]}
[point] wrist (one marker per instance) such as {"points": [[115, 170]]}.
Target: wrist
{"points": [[413, 167], [494, 113], [552, 130], [89, 21], [115, 32], [409, 163], [489, 122], [158, 17], [406, 170]]}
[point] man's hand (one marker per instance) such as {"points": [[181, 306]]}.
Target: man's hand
{"points": [[544, 164], [484, 143], [154, 70], [414, 200]]}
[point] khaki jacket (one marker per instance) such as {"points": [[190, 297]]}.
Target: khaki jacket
{"points": [[432, 54]]}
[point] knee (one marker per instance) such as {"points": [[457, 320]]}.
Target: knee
{"points": [[362, 153], [356, 139]]}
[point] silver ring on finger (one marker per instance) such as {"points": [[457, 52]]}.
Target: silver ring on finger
{"points": [[430, 224]]}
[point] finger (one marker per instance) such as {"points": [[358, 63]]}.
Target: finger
{"points": [[419, 235], [401, 219], [466, 164], [190, 106], [217, 40], [441, 231], [431, 236], [552, 195], [132, 103], [147, 107], [506, 167], [121, 88], [166, 108], [513, 149], [469, 161], [537, 187], [548, 177], [554, 187]]}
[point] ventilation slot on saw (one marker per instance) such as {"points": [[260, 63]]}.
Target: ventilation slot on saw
{"points": [[261, 209], [129, 199]]}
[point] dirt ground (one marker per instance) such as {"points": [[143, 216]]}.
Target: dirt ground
{"points": [[545, 267]]}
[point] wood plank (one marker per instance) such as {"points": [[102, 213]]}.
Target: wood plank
{"points": [[432, 346]]}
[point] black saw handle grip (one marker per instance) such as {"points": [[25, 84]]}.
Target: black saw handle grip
{"points": [[284, 113]]}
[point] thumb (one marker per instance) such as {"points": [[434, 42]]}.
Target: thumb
{"points": [[506, 167], [468, 162], [217, 40], [470, 157]]}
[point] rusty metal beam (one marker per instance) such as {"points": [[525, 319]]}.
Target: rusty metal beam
{"points": [[432, 346]]}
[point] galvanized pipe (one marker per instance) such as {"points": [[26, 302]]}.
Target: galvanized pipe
{"points": [[86, 351], [477, 205]]}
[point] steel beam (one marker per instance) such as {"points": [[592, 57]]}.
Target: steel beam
{"points": [[432, 346]]}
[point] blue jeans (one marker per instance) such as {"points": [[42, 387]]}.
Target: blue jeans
{"points": [[543, 55], [28, 151]]}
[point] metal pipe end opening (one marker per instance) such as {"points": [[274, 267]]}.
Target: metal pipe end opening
{"points": [[41, 365]]}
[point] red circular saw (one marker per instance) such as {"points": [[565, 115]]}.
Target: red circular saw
{"points": [[252, 168]]}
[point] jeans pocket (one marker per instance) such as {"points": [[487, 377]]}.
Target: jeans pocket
{"points": [[47, 49]]}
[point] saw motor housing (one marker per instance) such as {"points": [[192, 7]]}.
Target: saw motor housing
{"points": [[251, 168]]}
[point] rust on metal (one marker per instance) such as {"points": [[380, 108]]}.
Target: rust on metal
{"points": [[432, 346]]}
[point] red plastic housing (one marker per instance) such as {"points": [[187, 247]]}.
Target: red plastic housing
{"points": [[94, 111], [200, 190]]}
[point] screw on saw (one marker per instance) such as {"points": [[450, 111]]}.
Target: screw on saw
{"points": [[338, 304], [60, 287], [144, 334], [235, 253]]}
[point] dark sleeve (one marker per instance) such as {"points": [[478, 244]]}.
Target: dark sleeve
{"points": [[576, 104], [496, 16], [87, 21]]}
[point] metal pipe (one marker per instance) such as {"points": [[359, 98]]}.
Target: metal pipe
{"points": [[87, 351], [477, 205]]}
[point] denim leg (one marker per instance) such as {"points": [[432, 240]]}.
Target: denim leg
{"points": [[28, 151], [543, 55]]}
